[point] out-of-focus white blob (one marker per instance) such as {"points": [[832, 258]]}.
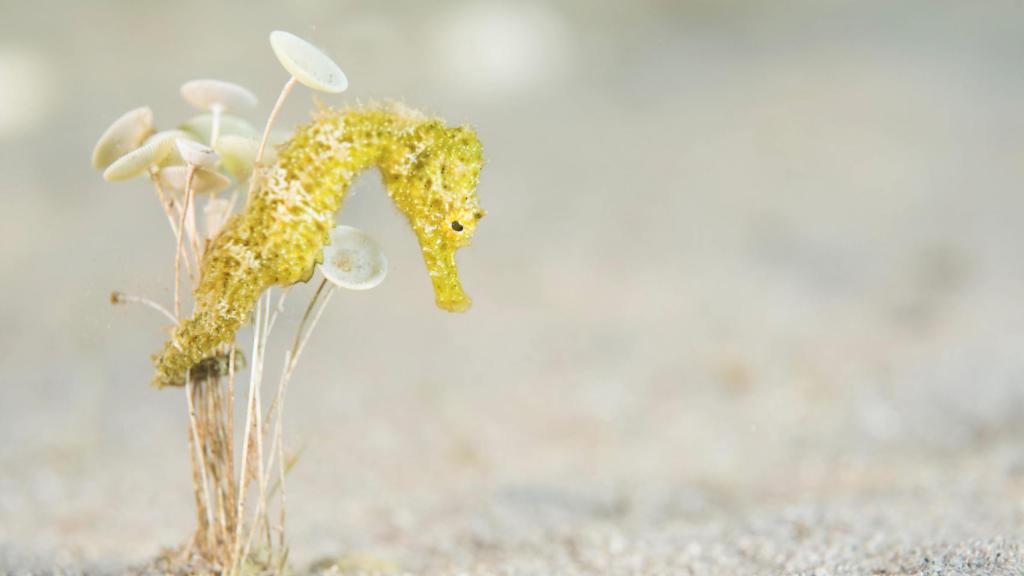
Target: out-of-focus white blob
{"points": [[501, 49], [28, 89]]}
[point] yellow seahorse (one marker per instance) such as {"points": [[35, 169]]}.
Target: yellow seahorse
{"points": [[429, 170]]}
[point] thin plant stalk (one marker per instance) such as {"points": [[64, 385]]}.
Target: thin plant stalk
{"points": [[305, 315], [279, 440], [169, 207], [166, 204], [230, 409], [260, 480], [214, 418], [259, 342], [122, 298], [277, 407], [181, 239], [200, 535], [193, 230], [229, 412], [243, 474], [173, 210], [273, 115], [234, 197], [278, 308], [254, 427], [199, 451], [215, 112], [295, 345], [309, 332]]}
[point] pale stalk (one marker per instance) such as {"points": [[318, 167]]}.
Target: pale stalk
{"points": [[165, 204], [213, 415], [260, 480], [169, 207], [234, 197], [181, 239], [243, 474], [200, 453], [273, 115], [238, 555], [215, 112], [190, 232], [230, 409], [295, 345], [316, 319], [279, 308], [197, 493], [122, 298], [193, 231], [298, 334], [291, 360], [279, 440], [255, 383], [266, 133]]}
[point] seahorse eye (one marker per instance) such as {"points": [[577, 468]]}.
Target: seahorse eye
{"points": [[456, 225]]}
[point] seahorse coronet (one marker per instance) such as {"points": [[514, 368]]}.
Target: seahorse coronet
{"points": [[429, 170]]}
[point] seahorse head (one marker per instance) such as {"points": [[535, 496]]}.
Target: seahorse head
{"points": [[432, 175]]}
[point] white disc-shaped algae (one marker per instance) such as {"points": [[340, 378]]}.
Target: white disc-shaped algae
{"points": [[353, 260], [167, 138], [122, 136], [138, 161], [307, 63], [237, 154], [203, 181], [208, 94], [202, 126], [196, 154]]}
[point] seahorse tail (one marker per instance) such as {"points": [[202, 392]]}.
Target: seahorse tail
{"points": [[233, 278]]}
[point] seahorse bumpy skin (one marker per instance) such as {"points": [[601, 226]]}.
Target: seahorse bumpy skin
{"points": [[430, 172]]}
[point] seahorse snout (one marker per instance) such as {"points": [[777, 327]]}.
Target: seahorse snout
{"points": [[444, 275]]}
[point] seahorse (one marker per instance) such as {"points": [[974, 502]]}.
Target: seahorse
{"points": [[430, 171]]}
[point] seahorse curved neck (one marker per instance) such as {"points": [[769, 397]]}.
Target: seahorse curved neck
{"points": [[429, 171]]}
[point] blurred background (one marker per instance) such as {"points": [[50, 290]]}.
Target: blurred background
{"points": [[748, 266]]}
